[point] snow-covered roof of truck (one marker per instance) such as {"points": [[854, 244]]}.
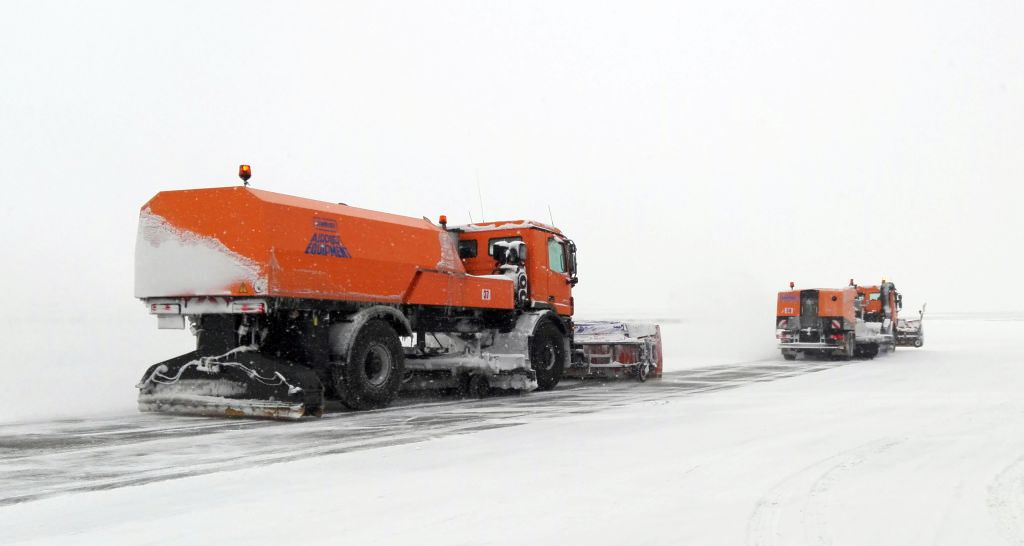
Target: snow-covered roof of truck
{"points": [[507, 224]]}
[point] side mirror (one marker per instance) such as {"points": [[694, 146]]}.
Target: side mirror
{"points": [[572, 262]]}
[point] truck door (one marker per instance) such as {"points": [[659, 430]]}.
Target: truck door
{"points": [[560, 275]]}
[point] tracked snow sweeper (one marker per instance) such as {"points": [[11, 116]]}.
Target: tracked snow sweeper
{"points": [[614, 350], [294, 301], [910, 332], [839, 323]]}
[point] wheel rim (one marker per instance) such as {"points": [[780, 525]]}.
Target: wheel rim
{"points": [[377, 365], [548, 358]]}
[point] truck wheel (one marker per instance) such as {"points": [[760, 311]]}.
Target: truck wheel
{"points": [[478, 387], [547, 355], [851, 343], [868, 350], [371, 375], [918, 343], [789, 355]]}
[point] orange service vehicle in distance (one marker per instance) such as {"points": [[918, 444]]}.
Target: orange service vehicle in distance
{"points": [[837, 322]]}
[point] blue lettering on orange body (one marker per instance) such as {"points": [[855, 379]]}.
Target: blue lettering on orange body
{"points": [[325, 240]]}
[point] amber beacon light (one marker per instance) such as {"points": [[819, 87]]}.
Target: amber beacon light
{"points": [[245, 173]]}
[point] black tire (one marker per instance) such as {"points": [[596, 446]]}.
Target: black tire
{"points": [[478, 387], [372, 372], [547, 355], [851, 344], [868, 350], [642, 371], [918, 343], [789, 355]]}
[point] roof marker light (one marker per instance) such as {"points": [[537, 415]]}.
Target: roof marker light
{"points": [[245, 173]]}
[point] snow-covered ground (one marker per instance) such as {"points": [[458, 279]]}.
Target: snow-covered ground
{"points": [[922, 446], [93, 367]]}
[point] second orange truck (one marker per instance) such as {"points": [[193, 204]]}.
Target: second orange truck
{"points": [[837, 322]]}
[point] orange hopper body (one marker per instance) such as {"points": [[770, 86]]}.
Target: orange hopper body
{"points": [[275, 245]]}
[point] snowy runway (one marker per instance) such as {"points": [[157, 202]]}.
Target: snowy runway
{"points": [[919, 447], [43, 459]]}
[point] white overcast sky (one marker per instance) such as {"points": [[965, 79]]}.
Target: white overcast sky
{"points": [[702, 154]]}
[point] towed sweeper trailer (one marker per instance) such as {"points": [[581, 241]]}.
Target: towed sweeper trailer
{"points": [[910, 332], [615, 349], [295, 301]]}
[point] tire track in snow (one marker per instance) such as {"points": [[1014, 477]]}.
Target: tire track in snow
{"points": [[1006, 501], [810, 489], [75, 456]]}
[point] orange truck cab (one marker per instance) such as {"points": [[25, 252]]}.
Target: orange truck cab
{"points": [[549, 258], [878, 317], [879, 302]]}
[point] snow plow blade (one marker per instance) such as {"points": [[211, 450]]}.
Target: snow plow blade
{"points": [[239, 383]]}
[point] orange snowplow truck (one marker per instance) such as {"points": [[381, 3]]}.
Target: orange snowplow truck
{"points": [[841, 323], [817, 322], [294, 300]]}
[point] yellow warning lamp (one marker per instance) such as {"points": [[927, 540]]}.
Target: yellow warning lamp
{"points": [[443, 220], [792, 285], [245, 173]]}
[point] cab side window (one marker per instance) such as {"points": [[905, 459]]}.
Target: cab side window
{"points": [[490, 243], [467, 248], [556, 256]]}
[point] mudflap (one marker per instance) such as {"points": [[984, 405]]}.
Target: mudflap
{"points": [[240, 383]]}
